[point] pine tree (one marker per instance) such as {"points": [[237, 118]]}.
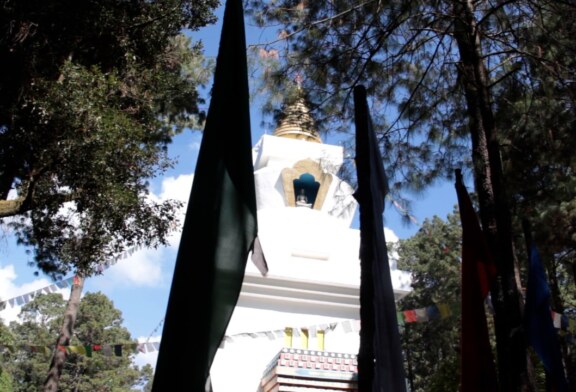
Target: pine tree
{"points": [[98, 323], [432, 256]]}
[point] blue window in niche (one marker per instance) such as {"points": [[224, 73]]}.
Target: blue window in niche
{"points": [[306, 190]]}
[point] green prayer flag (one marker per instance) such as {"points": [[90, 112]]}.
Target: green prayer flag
{"points": [[220, 226], [400, 317]]}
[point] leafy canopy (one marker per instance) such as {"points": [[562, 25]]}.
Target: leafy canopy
{"points": [[91, 94]]}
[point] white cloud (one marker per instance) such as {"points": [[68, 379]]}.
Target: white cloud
{"points": [[146, 267], [194, 146], [142, 268], [150, 357], [12, 194], [390, 235], [176, 188], [7, 275], [142, 359], [9, 290]]}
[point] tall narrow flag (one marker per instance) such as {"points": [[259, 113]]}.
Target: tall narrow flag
{"points": [[380, 362], [478, 372], [539, 326], [220, 226]]}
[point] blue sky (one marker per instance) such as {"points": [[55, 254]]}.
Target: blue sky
{"points": [[139, 284]]}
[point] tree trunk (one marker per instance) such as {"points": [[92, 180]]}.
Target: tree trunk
{"points": [[10, 207], [558, 306], [512, 354], [26, 203], [59, 357]]}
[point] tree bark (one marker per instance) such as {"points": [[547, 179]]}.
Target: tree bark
{"points": [[512, 354], [11, 207], [66, 333], [27, 203]]}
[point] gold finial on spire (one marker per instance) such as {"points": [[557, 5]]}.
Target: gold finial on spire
{"points": [[299, 79]]}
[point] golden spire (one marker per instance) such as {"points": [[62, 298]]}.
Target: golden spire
{"points": [[296, 121]]}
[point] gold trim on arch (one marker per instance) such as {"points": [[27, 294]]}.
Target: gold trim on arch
{"points": [[302, 167]]}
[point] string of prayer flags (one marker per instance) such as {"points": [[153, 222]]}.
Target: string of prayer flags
{"points": [[105, 349], [402, 210], [29, 296], [148, 347], [432, 312], [439, 311], [565, 324], [428, 313], [62, 284]]}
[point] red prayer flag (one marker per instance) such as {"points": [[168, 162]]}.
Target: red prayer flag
{"points": [[410, 316], [478, 372]]}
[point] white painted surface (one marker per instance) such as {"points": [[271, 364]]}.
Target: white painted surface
{"points": [[314, 270]]}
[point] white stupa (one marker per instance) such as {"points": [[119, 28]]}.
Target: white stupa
{"points": [[309, 300]]}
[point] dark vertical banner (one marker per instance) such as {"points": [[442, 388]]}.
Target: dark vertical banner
{"points": [[219, 228], [478, 371], [540, 331], [380, 362]]}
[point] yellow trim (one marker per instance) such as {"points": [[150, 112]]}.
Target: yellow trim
{"points": [[287, 337], [304, 338], [320, 338], [294, 172]]}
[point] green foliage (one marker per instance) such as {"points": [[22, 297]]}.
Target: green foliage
{"points": [[45, 311], [98, 322], [90, 96], [433, 258], [6, 338], [537, 153], [5, 334], [539, 119], [5, 381]]}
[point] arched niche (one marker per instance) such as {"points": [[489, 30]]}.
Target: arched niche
{"points": [[308, 175]]}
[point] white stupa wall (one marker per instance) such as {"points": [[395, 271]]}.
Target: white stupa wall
{"points": [[314, 270], [240, 363], [277, 152]]}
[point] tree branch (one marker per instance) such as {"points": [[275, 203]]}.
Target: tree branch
{"points": [[314, 23]]}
